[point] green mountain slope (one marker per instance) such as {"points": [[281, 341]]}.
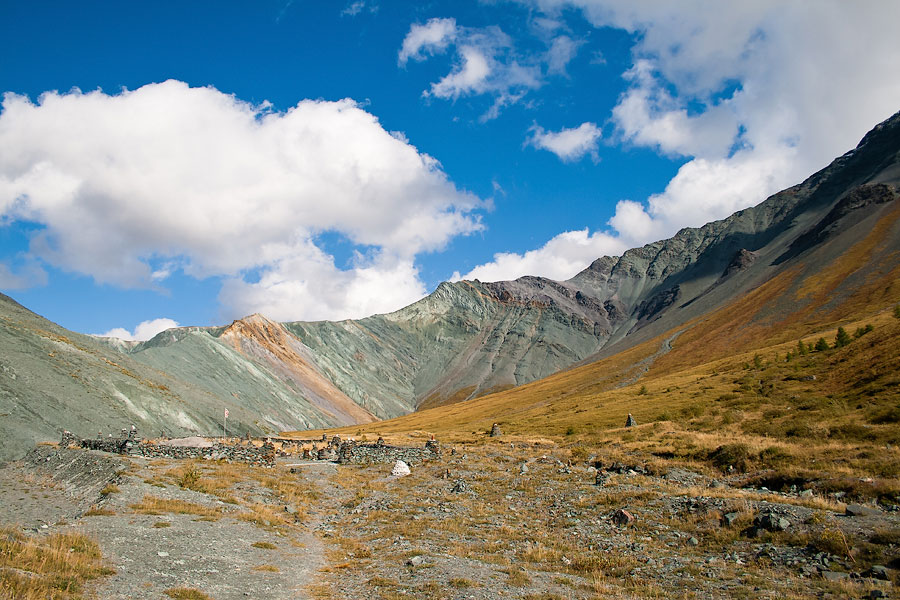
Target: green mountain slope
{"points": [[53, 379]]}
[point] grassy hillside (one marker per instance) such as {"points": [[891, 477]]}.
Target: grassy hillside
{"points": [[830, 415]]}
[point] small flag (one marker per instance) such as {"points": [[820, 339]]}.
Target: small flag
{"points": [[226, 413]]}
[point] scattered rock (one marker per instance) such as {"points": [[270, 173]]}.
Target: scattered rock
{"points": [[623, 469], [729, 519], [692, 541], [622, 517], [771, 522], [459, 486], [879, 572], [861, 510], [416, 561], [683, 476], [401, 469], [835, 576]]}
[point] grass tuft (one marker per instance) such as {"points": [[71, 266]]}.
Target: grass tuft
{"points": [[183, 593], [52, 567]]}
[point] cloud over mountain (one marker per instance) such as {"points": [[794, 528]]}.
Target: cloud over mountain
{"points": [[560, 258], [756, 96], [143, 331], [128, 187]]}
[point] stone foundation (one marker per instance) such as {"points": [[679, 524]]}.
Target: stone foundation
{"points": [[248, 450], [366, 454], [131, 445]]}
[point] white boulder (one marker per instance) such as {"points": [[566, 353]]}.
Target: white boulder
{"points": [[401, 469]]}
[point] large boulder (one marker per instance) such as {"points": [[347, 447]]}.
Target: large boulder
{"points": [[401, 469]]}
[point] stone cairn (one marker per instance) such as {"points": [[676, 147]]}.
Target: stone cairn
{"points": [[630, 422], [495, 430]]}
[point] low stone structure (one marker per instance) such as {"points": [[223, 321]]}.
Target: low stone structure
{"points": [[379, 452], [249, 450], [129, 444]]}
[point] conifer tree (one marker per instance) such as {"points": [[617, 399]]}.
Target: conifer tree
{"points": [[821, 345], [843, 338]]}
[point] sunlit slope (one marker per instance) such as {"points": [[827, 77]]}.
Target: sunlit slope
{"points": [[462, 340], [847, 283], [471, 338], [758, 392], [793, 261]]}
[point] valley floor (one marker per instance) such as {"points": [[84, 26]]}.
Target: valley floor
{"points": [[494, 518]]}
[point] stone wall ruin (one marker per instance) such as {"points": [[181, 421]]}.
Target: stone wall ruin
{"points": [[257, 451]]}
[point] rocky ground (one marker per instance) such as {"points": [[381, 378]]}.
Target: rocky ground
{"points": [[520, 520]]}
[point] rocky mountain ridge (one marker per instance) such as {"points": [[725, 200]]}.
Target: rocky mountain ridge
{"points": [[469, 338]]}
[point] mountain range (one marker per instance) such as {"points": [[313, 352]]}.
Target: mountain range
{"points": [[813, 253]]}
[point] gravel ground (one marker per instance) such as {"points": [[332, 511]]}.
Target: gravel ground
{"points": [[491, 522], [152, 553]]}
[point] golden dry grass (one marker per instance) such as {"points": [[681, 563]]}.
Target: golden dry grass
{"points": [[51, 567], [827, 415], [263, 516], [683, 384], [153, 505], [267, 569], [222, 480], [183, 593]]}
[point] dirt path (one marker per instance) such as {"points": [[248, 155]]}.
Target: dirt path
{"points": [[224, 556], [228, 558], [643, 366]]}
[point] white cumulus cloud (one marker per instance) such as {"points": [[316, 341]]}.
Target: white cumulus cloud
{"points": [[568, 144], [485, 61], [756, 94], [145, 330], [561, 51], [431, 38], [560, 258], [304, 278], [131, 186]]}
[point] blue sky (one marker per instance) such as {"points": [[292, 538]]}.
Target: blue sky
{"points": [[192, 163]]}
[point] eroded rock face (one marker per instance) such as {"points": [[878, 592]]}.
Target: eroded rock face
{"points": [[741, 261]]}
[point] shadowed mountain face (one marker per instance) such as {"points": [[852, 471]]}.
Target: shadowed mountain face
{"points": [[467, 338]]}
